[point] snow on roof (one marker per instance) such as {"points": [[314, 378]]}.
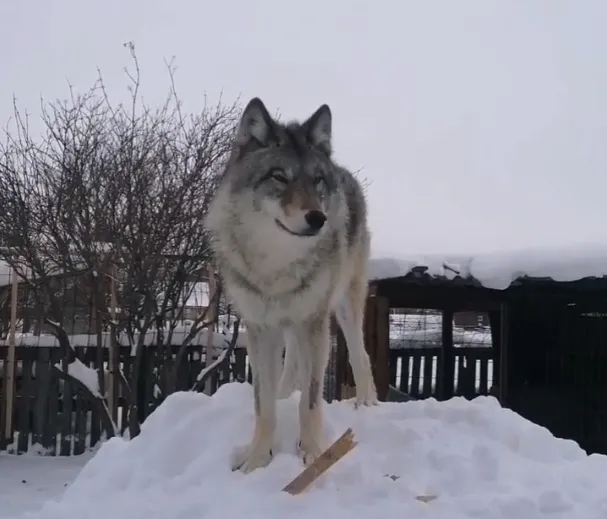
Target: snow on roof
{"points": [[493, 270], [499, 270], [474, 458]]}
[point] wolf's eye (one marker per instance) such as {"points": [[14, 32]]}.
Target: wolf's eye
{"points": [[279, 176], [318, 180]]}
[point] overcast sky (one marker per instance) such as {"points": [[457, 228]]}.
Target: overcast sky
{"points": [[480, 125]]}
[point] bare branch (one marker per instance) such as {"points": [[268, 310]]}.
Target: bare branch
{"points": [[224, 357]]}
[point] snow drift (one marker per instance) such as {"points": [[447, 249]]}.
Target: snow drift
{"points": [[478, 459]]}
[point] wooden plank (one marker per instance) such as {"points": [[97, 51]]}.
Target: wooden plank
{"points": [[211, 384], [344, 444], [393, 365], [240, 364], [212, 387], [495, 322], [138, 370], [369, 335], [149, 379], [427, 384], [343, 371], [502, 380], [249, 371], [42, 368], [53, 428], [404, 373], [25, 394], [80, 417], [448, 357], [381, 362], [185, 370], [469, 379], [89, 359], [66, 418], [3, 355], [9, 364], [224, 372], [415, 374], [114, 353], [48, 434], [82, 403], [484, 376], [461, 369], [127, 363]]}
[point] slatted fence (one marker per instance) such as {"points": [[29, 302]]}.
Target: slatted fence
{"points": [[414, 371]]}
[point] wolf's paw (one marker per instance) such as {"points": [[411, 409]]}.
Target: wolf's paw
{"points": [[247, 458], [366, 396], [309, 451]]}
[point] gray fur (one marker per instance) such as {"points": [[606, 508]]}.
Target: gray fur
{"points": [[282, 271]]}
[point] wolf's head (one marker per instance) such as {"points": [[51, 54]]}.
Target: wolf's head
{"points": [[283, 174]]}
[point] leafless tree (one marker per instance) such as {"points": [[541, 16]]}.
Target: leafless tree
{"points": [[115, 194]]}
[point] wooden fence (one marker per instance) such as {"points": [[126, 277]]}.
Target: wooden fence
{"points": [[414, 371], [57, 416], [62, 420]]}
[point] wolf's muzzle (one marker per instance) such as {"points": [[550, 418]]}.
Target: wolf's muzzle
{"points": [[315, 219]]}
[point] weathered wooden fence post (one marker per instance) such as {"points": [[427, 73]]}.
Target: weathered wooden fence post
{"points": [[446, 375], [211, 317], [9, 367], [114, 354], [376, 330], [377, 342]]}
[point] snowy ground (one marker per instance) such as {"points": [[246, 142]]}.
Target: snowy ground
{"points": [[28, 481], [480, 461]]}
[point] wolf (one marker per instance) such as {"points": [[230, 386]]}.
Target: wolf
{"points": [[289, 232]]}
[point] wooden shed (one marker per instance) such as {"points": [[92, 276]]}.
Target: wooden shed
{"points": [[544, 355]]}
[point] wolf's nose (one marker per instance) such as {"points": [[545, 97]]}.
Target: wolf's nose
{"points": [[316, 219]]}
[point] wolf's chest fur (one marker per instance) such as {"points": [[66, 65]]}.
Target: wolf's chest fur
{"points": [[277, 294]]}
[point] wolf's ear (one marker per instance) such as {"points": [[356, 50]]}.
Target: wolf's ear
{"points": [[318, 129], [256, 128]]}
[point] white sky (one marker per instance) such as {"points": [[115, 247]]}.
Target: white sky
{"points": [[465, 116]]}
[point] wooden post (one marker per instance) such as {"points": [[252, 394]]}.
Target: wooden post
{"points": [[210, 350], [344, 444], [112, 390], [381, 362], [503, 356], [344, 379], [447, 372], [377, 342], [9, 371]]}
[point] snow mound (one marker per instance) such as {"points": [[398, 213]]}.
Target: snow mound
{"points": [[479, 460]]}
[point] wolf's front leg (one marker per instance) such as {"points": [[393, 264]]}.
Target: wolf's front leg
{"points": [[265, 352], [289, 379], [313, 346]]}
